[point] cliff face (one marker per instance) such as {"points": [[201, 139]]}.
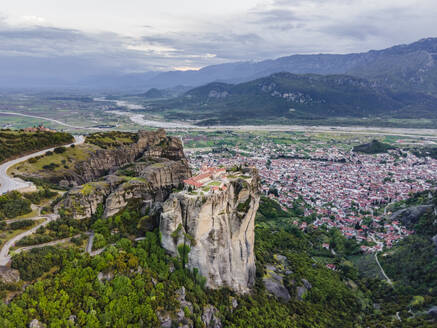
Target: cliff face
{"points": [[105, 161], [218, 226], [155, 165], [215, 221]]}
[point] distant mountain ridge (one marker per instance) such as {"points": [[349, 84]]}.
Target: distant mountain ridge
{"points": [[410, 67], [404, 67], [292, 96]]}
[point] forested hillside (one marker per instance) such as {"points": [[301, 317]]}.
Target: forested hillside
{"points": [[137, 284], [287, 97], [413, 263]]}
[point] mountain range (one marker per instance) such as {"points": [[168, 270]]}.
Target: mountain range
{"points": [[290, 97], [409, 67]]}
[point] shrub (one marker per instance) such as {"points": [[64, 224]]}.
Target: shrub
{"points": [[12, 205], [20, 224], [60, 150]]}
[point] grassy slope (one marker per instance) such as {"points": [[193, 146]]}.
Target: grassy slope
{"points": [[17, 143]]}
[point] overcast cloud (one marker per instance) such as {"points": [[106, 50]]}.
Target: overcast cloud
{"points": [[134, 35]]}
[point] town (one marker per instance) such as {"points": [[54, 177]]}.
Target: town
{"points": [[340, 188]]}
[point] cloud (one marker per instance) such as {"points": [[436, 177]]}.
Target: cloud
{"points": [[268, 30]]}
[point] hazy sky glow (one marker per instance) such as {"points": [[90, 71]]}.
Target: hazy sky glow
{"points": [[139, 35]]}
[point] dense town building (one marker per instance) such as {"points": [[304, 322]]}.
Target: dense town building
{"points": [[341, 189]]}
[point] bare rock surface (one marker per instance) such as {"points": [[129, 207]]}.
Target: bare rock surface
{"points": [[36, 324], [411, 215], [156, 166], [433, 312], [218, 226], [275, 285], [9, 275], [210, 317]]}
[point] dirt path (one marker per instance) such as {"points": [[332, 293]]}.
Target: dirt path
{"points": [[382, 270]]}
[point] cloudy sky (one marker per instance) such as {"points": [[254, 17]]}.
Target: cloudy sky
{"points": [[141, 35]]}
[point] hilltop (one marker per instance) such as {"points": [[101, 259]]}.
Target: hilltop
{"points": [[287, 97], [373, 147]]}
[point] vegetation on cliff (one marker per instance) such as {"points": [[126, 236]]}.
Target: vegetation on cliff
{"points": [[111, 139], [12, 204], [16, 143], [136, 283]]}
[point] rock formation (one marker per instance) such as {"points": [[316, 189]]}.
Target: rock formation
{"points": [[411, 215], [154, 172], [215, 221], [149, 144], [218, 226], [94, 162]]}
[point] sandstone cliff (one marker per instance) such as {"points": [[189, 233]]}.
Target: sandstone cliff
{"points": [[218, 226], [155, 144], [147, 170]]}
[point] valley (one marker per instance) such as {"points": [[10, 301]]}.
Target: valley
{"points": [[308, 186], [268, 164]]}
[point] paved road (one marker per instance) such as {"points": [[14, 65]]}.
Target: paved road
{"points": [[34, 218], [4, 252], [51, 243], [89, 245], [8, 184]]}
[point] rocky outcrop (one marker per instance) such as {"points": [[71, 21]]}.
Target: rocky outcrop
{"points": [[433, 312], [8, 275], [153, 182], [210, 317], [36, 324], [274, 277], [149, 144], [411, 215], [178, 318], [218, 226], [147, 170], [275, 285]]}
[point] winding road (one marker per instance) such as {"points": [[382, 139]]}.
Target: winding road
{"points": [[50, 243], [4, 252], [8, 183]]}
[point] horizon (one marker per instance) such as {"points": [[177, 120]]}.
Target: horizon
{"points": [[114, 37]]}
